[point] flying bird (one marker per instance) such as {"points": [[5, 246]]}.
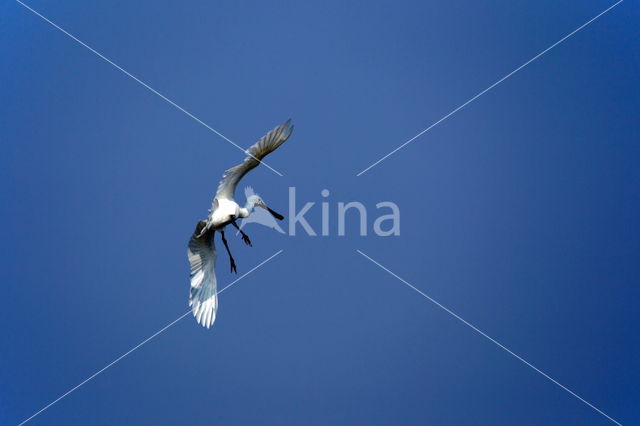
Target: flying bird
{"points": [[225, 210]]}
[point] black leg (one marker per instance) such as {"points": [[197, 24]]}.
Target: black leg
{"points": [[226, 245], [245, 237]]}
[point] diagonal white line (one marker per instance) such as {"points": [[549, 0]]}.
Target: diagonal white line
{"points": [[490, 87], [491, 339], [127, 73], [136, 347]]}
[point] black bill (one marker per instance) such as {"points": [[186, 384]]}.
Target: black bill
{"points": [[275, 214]]}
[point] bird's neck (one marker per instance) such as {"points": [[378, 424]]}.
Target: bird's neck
{"points": [[246, 210]]}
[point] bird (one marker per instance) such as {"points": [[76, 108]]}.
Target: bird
{"points": [[203, 298]]}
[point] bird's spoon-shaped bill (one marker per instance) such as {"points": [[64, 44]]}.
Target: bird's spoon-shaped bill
{"points": [[273, 213]]}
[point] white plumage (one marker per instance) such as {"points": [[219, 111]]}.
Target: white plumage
{"points": [[202, 258], [203, 297]]}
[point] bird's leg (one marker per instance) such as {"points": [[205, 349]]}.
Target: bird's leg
{"points": [[226, 245], [245, 237]]}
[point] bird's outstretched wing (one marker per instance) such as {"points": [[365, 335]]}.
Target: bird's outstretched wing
{"points": [[269, 143], [203, 297]]}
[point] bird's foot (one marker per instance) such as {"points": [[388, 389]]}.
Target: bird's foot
{"points": [[246, 240], [233, 266]]}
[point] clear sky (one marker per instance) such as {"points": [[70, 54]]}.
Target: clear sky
{"points": [[519, 213]]}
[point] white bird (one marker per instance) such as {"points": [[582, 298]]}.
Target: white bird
{"points": [[203, 297]]}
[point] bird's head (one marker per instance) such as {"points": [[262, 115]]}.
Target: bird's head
{"points": [[254, 200]]}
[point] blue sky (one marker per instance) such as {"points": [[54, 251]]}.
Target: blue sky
{"points": [[519, 213]]}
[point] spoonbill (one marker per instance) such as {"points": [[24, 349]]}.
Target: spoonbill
{"points": [[225, 210]]}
